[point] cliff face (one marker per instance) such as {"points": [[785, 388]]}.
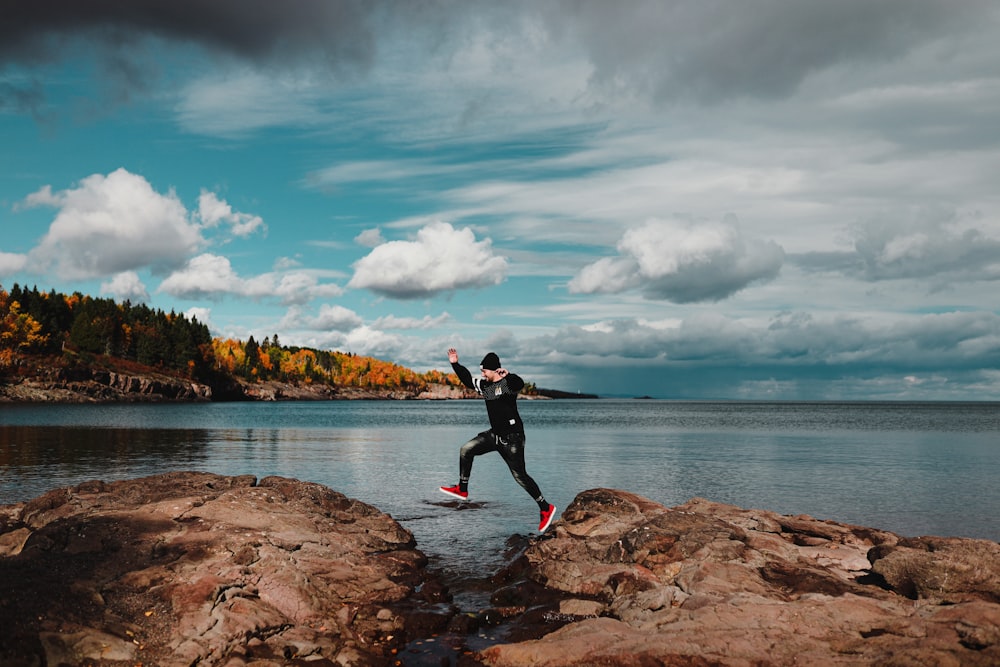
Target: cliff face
{"points": [[85, 384]]}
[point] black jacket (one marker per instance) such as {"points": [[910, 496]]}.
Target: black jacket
{"points": [[501, 399]]}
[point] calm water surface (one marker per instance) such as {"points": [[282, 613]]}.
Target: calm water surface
{"points": [[911, 468]]}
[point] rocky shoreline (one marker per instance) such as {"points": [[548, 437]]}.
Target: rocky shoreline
{"points": [[86, 384], [56, 383], [192, 568]]}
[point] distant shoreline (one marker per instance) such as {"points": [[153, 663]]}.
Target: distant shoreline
{"points": [[97, 385]]}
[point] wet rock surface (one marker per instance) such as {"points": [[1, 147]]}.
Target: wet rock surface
{"points": [[711, 584]]}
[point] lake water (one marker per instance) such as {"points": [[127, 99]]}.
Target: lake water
{"points": [[911, 468]]}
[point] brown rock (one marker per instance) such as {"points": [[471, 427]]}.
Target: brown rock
{"points": [[195, 568], [941, 568], [711, 584]]}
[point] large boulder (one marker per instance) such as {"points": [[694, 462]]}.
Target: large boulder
{"points": [[195, 568], [710, 584]]}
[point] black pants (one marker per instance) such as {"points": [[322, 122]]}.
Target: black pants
{"points": [[510, 447]]}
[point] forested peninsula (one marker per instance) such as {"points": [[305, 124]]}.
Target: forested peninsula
{"points": [[78, 348]]}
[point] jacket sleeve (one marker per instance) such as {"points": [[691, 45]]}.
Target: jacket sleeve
{"points": [[463, 374], [514, 382]]}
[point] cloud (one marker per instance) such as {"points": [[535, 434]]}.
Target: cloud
{"points": [[801, 340], [412, 323], [361, 340], [797, 355], [370, 238], [126, 286], [329, 318], [11, 263], [254, 29], [205, 275], [127, 38], [928, 244], [682, 262], [647, 50], [231, 103], [719, 49], [212, 211], [212, 276], [440, 259], [111, 224], [203, 315]]}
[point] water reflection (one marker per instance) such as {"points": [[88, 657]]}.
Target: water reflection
{"points": [[28, 446], [36, 459]]}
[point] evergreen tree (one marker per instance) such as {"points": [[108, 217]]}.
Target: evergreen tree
{"points": [[251, 361]]}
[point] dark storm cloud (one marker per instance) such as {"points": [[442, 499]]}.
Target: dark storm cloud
{"points": [[119, 35], [32, 32], [654, 49]]}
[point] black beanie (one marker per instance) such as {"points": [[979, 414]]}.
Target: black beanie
{"points": [[490, 362]]}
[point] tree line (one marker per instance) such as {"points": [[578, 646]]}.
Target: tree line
{"points": [[34, 322], [51, 323], [270, 360]]}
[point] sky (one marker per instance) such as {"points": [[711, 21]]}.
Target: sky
{"points": [[721, 199]]}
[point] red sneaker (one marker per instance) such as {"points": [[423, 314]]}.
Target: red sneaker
{"points": [[547, 516], [455, 492]]}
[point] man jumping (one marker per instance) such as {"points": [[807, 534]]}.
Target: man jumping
{"points": [[506, 435]]}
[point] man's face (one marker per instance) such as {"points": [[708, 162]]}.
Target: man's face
{"points": [[490, 376]]}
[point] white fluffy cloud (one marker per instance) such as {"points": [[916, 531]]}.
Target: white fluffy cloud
{"points": [[337, 317], [126, 286], [203, 276], [203, 315], [110, 224], [213, 211], [440, 259], [213, 276], [116, 224], [682, 262]]}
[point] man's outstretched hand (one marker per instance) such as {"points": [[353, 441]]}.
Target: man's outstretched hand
{"points": [[452, 355]]}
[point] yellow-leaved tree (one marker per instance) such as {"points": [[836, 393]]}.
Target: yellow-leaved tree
{"points": [[19, 332]]}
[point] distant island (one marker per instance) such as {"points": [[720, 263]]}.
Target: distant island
{"points": [[77, 348], [555, 393]]}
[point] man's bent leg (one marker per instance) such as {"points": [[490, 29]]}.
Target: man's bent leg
{"points": [[481, 444]]}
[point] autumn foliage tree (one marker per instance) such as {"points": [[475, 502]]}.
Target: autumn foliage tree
{"points": [[19, 331], [33, 322], [269, 360]]}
